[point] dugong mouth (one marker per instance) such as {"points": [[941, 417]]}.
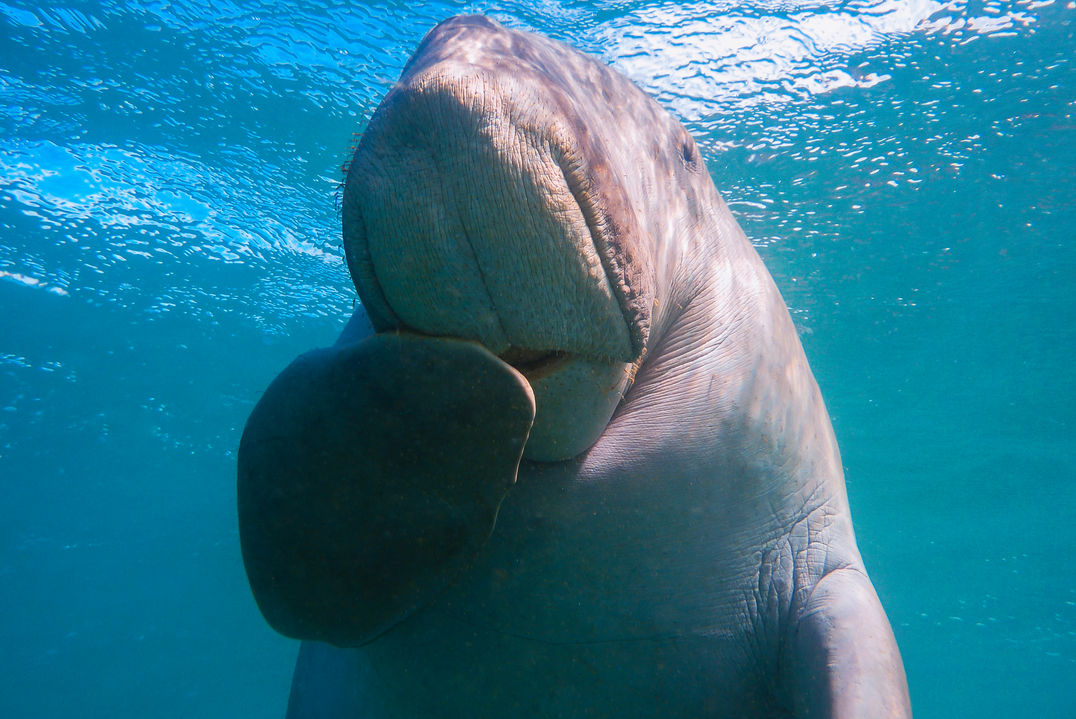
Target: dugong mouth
{"points": [[532, 361], [480, 205]]}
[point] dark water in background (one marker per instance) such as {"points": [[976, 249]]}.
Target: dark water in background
{"points": [[169, 241]]}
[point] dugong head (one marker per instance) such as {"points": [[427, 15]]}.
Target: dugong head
{"points": [[495, 196], [518, 220]]}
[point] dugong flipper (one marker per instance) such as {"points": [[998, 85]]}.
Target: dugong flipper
{"points": [[370, 474], [678, 540]]}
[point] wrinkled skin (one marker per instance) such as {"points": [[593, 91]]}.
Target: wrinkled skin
{"points": [[694, 554]]}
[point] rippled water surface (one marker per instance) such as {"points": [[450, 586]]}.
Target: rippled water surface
{"points": [[169, 240]]}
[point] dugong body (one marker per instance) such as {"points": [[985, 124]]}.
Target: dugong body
{"points": [[679, 543]]}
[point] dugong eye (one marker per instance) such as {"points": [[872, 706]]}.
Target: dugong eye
{"points": [[687, 151]]}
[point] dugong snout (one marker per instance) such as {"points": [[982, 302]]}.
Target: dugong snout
{"points": [[481, 204], [489, 200]]}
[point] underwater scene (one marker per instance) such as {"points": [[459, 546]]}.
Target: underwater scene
{"points": [[171, 178]]}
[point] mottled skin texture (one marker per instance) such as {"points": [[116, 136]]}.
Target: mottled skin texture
{"points": [[699, 558]]}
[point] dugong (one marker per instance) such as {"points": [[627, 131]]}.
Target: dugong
{"points": [[568, 459]]}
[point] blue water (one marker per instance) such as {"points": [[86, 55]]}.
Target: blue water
{"points": [[169, 240]]}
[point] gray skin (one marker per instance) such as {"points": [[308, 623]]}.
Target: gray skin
{"points": [[690, 555]]}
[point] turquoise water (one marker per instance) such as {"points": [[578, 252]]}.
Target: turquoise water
{"points": [[169, 240]]}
